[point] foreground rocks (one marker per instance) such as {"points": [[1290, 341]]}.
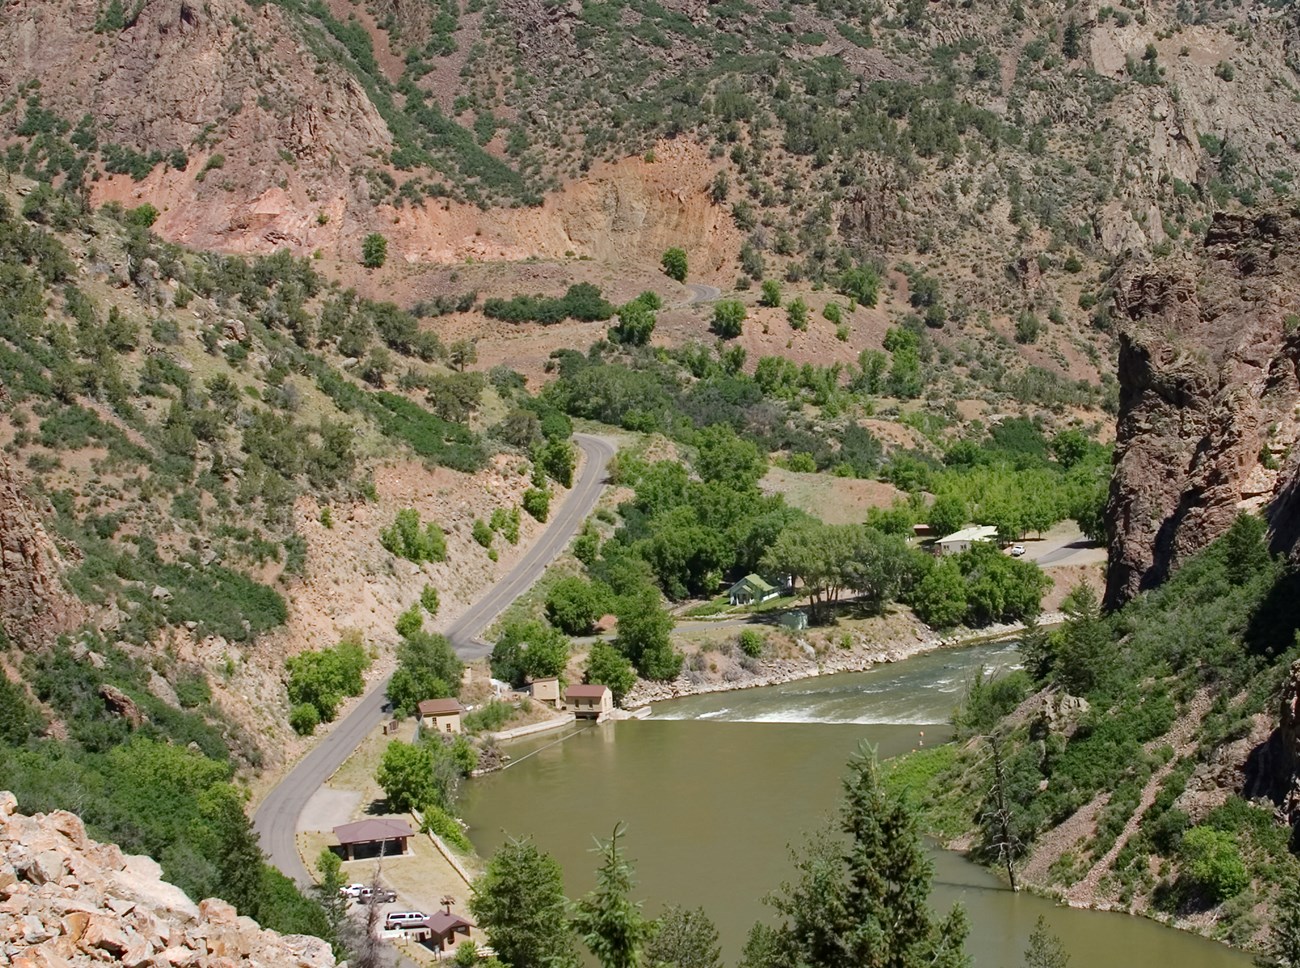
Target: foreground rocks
{"points": [[66, 901]]}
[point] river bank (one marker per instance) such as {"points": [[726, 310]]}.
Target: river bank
{"points": [[810, 654]]}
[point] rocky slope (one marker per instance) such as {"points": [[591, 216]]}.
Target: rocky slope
{"points": [[1209, 371], [33, 604], [66, 900]]}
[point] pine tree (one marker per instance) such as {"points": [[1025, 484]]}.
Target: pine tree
{"points": [[609, 923], [1045, 949], [867, 905]]}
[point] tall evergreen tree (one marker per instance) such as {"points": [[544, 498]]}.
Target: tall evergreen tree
{"points": [[608, 921], [865, 903], [1045, 949]]}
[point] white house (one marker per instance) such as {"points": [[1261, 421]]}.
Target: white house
{"points": [[962, 540]]}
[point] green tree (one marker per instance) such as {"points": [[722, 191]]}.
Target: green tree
{"points": [[797, 314], [329, 882], [374, 251], [1045, 949], [462, 353], [866, 902], [407, 539], [729, 318], [1212, 864], [947, 514], [607, 666], [771, 294], [940, 597], [406, 776], [645, 635], [729, 459], [427, 668], [537, 502], [519, 902], [19, 719], [1083, 653], [674, 264], [573, 605], [1245, 548], [684, 939], [410, 621], [1072, 39], [636, 324], [608, 921], [322, 679], [429, 599], [529, 649], [558, 459], [861, 283]]}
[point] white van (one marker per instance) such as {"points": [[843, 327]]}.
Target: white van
{"points": [[403, 919]]}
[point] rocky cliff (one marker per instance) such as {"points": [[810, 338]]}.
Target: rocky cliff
{"points": [[66, 901], [33, 603], [1209, 371]]}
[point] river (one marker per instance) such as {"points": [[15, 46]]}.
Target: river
{"points": [[713, 789]]}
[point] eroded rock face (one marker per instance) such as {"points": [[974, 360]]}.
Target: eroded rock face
{"points": [[1208, 371], [67, 901], [34, 607]]}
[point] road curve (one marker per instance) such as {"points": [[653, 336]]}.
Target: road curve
{"points": [[276, 819], [701, 294]]}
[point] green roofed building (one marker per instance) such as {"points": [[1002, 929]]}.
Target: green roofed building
{"points": [[751, 590]]}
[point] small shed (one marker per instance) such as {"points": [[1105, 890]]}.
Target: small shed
{"points": [[590, 702], [751, 590], [373, 837], [962, 540], [546, 689], [444, 926], [440, 715]]}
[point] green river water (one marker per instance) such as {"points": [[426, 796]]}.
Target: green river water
{"points": [[713, 789]]}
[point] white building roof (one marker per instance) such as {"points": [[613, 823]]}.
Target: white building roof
{"points": [[982, 532]]}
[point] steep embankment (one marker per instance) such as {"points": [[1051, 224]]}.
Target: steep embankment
{"points": [[67, 901], [1209, 384]]}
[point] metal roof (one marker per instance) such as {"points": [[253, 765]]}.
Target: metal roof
{"points": [[372, 830], [439, 707]]}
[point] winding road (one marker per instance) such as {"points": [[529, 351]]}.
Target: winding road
{"points": [[701, 294], [276, 819]]}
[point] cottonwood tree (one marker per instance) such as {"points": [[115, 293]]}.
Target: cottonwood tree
{"points": [[519, 901], [608, 921], [864, 902]]}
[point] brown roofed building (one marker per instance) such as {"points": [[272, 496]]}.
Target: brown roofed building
{"points": [[590, 702], [374, 836], [440, 715]]}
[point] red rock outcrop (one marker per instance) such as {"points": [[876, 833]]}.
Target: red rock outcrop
{"points": [[34, 607], [1209, 372]]}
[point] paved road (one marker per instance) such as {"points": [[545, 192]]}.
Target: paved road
{"points": [[701, 293], [276, 820]]}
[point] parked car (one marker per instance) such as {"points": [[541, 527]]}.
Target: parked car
{"points": [[352, 890], [1017, 551], [403, 919], [383, 896]]}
